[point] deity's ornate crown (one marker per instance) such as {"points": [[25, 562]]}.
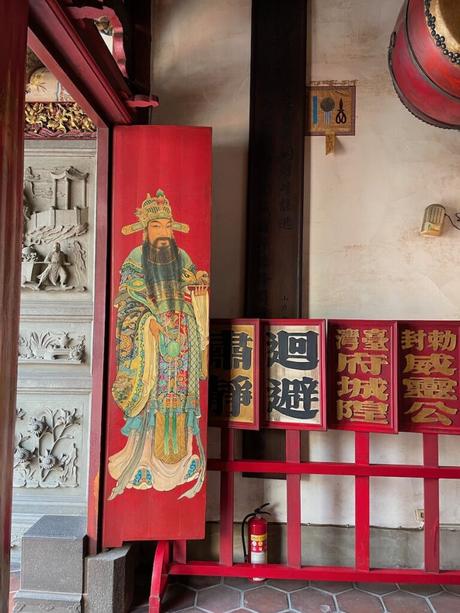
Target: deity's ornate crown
{"points": [[153, 208]]}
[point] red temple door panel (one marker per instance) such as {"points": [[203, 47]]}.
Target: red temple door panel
{"points": [[155, 462]]}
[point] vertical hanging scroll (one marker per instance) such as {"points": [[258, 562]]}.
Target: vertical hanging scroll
{"points": [[159, 335]]}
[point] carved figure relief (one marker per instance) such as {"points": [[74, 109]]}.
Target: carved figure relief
{"points": [[51, 348], [55, 210], [45, 454]]}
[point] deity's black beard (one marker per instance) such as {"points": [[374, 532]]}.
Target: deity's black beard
{"points": [[162, 271]]}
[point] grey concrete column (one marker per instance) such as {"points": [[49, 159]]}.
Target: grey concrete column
{"points": [[13, 41]]}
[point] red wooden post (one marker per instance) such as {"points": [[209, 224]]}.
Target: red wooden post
{"points": [[13, 37], [293, 484], [431, 505], [180, 552], [227, 500], [362, 518], [159, 575], [99, 345]]}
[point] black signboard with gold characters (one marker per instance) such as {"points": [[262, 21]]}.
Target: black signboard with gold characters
{"points": [[234, 370]]}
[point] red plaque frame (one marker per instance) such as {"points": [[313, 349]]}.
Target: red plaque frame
{"points": [[388, 371], [422, 344], [176, 160], [256, 348], [298, 425]]}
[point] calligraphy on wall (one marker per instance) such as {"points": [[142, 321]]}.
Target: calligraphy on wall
{"points": [[294, 382], [234, 370], [362, 371], [428, 377]]}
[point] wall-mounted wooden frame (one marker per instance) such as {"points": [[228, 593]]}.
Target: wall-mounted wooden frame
{"points": [[294, 373], [429, 360], [362, 375], [234, 360]]}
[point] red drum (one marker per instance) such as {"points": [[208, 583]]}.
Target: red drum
{"points": [[424, 60]]}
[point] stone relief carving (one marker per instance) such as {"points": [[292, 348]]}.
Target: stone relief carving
{"points": [[55, 211], [79, 259], [72, 608], [51, 348], [45, 454], [64, 212]]}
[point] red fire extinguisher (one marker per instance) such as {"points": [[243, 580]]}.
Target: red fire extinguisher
{"points": [[257, 536]]}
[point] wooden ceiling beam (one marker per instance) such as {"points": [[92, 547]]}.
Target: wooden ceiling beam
{"points": [[76, 54]]}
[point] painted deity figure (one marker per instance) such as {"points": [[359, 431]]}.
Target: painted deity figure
{"points": [[162, 340]]}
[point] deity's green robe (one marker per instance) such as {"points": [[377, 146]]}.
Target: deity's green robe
{"points": [[157, 381]]}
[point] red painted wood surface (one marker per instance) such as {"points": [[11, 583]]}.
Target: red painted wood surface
{"points": [[317, 573], [92, 77], [293, 502], [13, 35], [227, 499], [414, 471], [349, 339], [178, 161], [361, 469], [427, 82], [429, 371], [159, 575], [362, 507], [431, 505]]}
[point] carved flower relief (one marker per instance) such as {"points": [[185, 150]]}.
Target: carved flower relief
{"points": [[49, 459], [37, 426], [51, 347], [21, 454]]}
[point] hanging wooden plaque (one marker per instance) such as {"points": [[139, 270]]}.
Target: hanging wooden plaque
{"points": [[234, 373], [294, 383], [429, 376], [362, 371]]}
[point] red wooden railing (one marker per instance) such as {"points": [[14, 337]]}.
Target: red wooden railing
{"points": [[293, 467]]}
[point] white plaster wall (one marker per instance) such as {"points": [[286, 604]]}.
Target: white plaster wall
{"points": [[366, 257], [201, 68]]}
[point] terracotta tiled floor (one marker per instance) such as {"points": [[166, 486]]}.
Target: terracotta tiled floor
{"points": [[215, 595]]}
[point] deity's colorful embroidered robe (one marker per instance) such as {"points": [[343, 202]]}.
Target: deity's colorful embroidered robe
{"points": [[157, 383], [155, 462]]}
